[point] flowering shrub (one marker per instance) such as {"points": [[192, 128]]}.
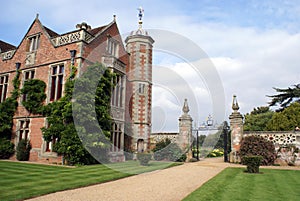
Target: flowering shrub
{"points": [[216, 153]]}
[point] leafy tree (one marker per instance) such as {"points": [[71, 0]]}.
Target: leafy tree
{"points": [[286, 120], [75, 137], [285, 96], [258, 119], [161, 144]]}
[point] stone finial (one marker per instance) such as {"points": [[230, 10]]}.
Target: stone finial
{"points": [[83, 25], [185, 108], [235, 104]]}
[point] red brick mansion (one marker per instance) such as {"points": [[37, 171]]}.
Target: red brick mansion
{"points": [[46, 55]]}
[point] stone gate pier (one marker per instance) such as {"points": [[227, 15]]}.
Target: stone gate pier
{"points": [[236, 127], [287, 143]]}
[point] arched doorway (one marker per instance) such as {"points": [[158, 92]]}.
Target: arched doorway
{"points": [[140, 145]]}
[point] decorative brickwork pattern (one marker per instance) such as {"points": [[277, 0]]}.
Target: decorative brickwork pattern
{"points": [[41, 50]]}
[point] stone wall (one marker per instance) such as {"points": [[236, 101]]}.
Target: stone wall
{"points": [[285, 144], [157, 137]]}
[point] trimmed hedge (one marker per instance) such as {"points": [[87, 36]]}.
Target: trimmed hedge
{"points": [[6, 148], [252, 162], [144, 158]]}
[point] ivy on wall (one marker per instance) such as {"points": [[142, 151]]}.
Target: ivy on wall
{"points": [[60, 116], [60, 113], [8, 108], [34, 95]]}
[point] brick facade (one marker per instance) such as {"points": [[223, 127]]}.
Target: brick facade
{"points": [[102, 44], [139, 90]]}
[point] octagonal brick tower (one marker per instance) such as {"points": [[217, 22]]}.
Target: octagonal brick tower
{"points": [[139, 88]]}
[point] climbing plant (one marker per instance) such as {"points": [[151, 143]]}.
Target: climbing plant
{"points": [[34, 95], [91, 110], [60, 116], [8, 108]]}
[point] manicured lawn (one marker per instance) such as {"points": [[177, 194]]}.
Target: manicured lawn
{"points": [[233, 184], [23, 180]]}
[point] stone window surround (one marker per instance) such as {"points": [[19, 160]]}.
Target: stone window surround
{"points": [[31, 75], [4, 86], [112, 47], [116, 137], [59, 64], [45, 152], [118, 98], [33, 42], [24, 132]]}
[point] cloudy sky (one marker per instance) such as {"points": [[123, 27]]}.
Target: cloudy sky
{"points": [[205, 50]]}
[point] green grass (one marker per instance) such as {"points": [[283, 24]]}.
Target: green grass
{"points": [[233, 184], [24, 180]]}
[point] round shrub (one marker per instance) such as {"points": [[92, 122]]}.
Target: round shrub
{"points": [[144, 158], [258, 146], [23, 150], [6, 148]]}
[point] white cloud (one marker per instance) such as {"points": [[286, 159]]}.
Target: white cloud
{"points": [[251, 54]]}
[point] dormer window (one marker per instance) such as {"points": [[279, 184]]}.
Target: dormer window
{"points": [[112, 47], [33, 43]]}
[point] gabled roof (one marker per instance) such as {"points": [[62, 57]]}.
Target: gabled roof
{"points": [[51, 32], [4, 47], [97, 30]]}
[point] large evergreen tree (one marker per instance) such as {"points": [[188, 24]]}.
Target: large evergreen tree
{"points": [[285, 96]]}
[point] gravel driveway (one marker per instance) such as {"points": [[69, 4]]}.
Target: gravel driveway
{"points": [[162, 185]]}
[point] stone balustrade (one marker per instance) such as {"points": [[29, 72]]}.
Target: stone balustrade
{"points": [[68, 38], [113, 62]]}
